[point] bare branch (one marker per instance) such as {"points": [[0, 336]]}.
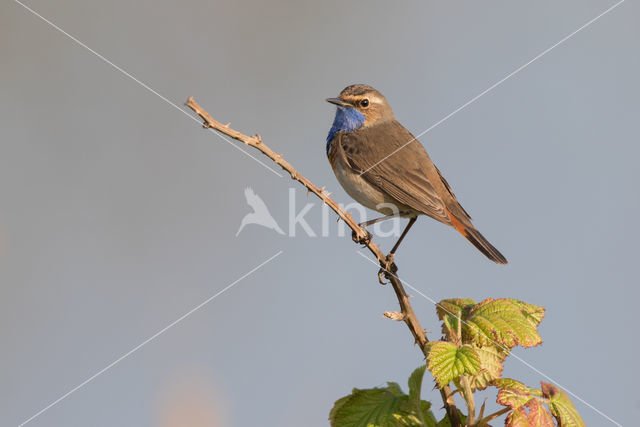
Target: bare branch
{"points": [[387, 266]]}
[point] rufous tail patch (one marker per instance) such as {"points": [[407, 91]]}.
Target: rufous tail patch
{"points": [[456, 224]]}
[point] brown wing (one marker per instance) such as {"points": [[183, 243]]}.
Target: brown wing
{"points": [[401, 175], [403, 169]]}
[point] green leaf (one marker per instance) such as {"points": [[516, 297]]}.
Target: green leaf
{"points": [[446, 423], [502, 322], [415, 383], [508, 383], [533, 313], [382, 407], [453, 306], [449, 310], [446, 361], [517, 385], [368, 407], [395, 388], [514, 397], [513, 393], [428, 419], [422, 407], [491, 365], [561, 406], [339, 404]]}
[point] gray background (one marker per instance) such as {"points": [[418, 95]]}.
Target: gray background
{"points": [[118, 214]]}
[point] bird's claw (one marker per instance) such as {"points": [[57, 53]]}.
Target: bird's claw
{"points": [[390, 268], [381, 276], [393, 268], [362, 240], [390, 259]]}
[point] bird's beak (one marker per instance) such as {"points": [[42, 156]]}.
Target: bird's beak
{"points": [[337, 101]]}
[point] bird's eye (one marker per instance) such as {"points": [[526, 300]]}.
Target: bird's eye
{"points": [[364, 103]]}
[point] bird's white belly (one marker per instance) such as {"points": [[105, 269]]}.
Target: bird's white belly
{"points": [[361, 191]]}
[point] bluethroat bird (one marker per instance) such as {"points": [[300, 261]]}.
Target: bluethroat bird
{"points": [[381, 164]]}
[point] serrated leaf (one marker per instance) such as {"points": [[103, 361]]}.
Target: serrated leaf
{"points": [[513, 397], [501, 322], [517, 385], [538, 416], [428, 419], [532, 312], [450, 326], [561, 406], [446, 423], [491, 365], [337, 406], [524, 402], [508, 383], [415, 383], [449, 310], [513, 393], [395, 388], [381, 407], [446, 361], [453, 306], [423, 408], [517, 418], [368, 407]]}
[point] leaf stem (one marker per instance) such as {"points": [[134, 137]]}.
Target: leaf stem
{"points": [[468, 397], [490, 417]]}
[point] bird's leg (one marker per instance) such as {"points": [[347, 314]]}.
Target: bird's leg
{"points": [[368, 237], [404, 233], [390, 267], [382, 218], [362, 240]]}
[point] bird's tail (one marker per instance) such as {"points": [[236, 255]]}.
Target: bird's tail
{"points": [[478, 240]]}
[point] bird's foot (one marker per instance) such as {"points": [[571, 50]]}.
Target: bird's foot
{"points": [[390, 269], [390, 258], [362, 240]]}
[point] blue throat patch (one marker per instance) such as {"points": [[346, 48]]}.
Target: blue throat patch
{"points": [[347, 119]]}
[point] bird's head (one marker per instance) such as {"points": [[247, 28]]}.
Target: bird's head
{"points": [[363, 103], [358, 106]]}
